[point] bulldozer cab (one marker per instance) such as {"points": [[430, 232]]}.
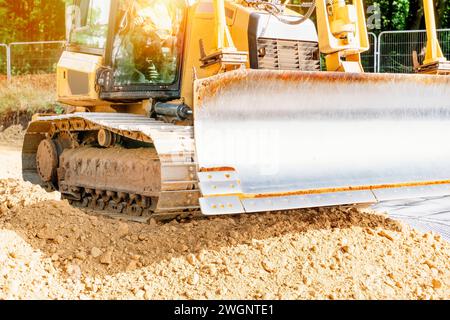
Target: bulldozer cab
{"points": [[140, 41]]}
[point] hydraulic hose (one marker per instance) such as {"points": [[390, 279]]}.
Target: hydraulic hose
{"points": [[302, 19], [275, 11]]}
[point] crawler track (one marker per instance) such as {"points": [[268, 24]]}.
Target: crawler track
{"points": [[157, 178]]}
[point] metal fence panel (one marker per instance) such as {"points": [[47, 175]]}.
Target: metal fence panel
{"points": [[395, 49], [35, 57], [391, 52], [368, 58]]}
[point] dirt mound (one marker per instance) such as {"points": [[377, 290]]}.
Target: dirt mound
{"points": [[25, 273], [329, 253], [17, 194], [12, 135]]}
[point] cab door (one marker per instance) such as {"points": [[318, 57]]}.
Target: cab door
{"points": [[87, 23]]}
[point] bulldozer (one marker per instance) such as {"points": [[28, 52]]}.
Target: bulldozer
{"points": [[222, 107]]}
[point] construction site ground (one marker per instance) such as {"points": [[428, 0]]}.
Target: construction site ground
{"points": [[50, 250]]}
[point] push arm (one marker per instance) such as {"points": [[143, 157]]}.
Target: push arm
{"points": [[342, 34], [435, 61]]}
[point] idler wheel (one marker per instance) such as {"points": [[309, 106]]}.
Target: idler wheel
{"points": [[47, 160], [106, 138]]}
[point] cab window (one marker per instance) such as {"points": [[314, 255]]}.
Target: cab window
{"points": [[147, 46], [90, 23]]}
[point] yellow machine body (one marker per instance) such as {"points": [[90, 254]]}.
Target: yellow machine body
{"points": [[342, 34]]}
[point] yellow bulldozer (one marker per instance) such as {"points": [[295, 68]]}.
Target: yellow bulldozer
{"points": [[221, 107]]}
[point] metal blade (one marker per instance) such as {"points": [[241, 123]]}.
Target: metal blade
{"points": [[296, 133]]}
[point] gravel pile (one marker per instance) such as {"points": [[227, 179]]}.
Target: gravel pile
{"points": [[50, 250], [12, 135]]}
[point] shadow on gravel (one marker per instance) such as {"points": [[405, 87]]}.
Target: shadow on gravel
{"points": [[100, 245]]}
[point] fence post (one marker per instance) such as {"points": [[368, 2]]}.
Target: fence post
{"points": [[8, 60], [8, 63], [379, 52], [375, 48]]}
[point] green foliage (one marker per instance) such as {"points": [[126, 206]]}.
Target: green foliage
{"points": [[394, 14], [445, 12], [32, 20], [402, 14], [408, 14], [58, 108]]}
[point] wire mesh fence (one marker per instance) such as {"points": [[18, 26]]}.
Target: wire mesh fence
{"points": [[35, 57], [368, 58], [390, 52], [396, 48]]}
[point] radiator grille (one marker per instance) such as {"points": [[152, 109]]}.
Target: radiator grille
{"points": [[275, 54]]}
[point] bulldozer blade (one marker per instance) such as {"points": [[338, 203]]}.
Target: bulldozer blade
{"points": [[275, 140]]}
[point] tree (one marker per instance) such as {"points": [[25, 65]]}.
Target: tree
{"points": [[32, 20], [443, 13]]}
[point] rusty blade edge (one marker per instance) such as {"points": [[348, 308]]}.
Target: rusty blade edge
{"points": [[333, 190], [209, 87], [216, 169]]}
